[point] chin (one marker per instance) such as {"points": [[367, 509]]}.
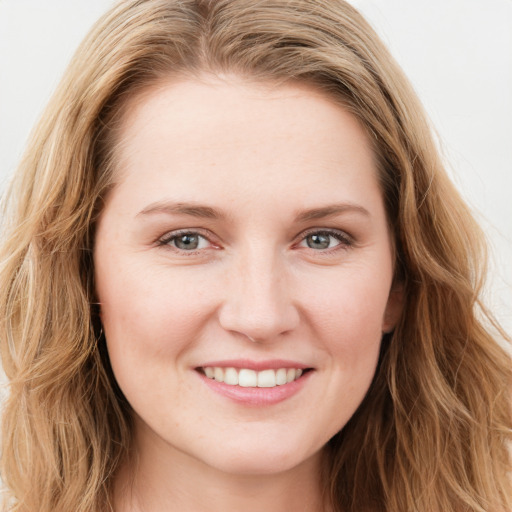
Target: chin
{"points": [[262, 460]]}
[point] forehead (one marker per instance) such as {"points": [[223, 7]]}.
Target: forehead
{"points": [[234, 137]]}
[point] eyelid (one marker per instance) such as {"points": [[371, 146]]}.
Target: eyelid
{"points": [[344, 238], [164, 241]]}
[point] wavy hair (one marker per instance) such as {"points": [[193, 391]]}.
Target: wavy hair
{"points": [[434, 431]]}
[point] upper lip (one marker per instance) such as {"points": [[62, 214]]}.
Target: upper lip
{"points": [[270, 364]]}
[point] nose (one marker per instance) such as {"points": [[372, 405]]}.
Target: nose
{"points": [[258, 298]]}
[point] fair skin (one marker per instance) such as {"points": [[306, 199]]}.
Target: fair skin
{"points": [[246, 230]]}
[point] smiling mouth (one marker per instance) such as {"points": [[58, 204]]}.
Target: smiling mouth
{"points": [[248, 378]]}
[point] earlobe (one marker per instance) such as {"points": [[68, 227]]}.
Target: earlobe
{"points": [[394, 308]]}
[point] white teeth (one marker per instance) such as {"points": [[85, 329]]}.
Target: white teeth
{"points": [[267, 379], [231, 376], [218, 374], [250, 378], [281, 376], [247, 378]]}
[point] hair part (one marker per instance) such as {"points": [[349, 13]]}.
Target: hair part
{"points": [[434, 429]]}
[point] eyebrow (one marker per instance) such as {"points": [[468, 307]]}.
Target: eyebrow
{"points": [[191, 209], [330, 211], [207, 212]]}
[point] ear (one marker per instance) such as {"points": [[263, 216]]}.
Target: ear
{"points": [[394, 307]]}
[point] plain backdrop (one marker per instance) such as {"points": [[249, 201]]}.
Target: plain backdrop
{"points": [[457, 53]]}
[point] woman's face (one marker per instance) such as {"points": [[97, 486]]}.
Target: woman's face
{"points": [[246, 239]]}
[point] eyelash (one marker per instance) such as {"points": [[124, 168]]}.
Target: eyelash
{"points": [[167, 239], [345, 240]]}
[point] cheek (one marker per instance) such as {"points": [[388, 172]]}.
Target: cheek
{"points": [[346, 311], [153, 310], [349, 300], [150, 320]]}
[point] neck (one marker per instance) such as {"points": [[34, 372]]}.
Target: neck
{"points": [[172, 481]]}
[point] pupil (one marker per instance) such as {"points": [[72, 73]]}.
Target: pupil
{"points": [[187, 242], [318, 241]]}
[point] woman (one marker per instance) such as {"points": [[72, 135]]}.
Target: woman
{"points": [[235, 275]]}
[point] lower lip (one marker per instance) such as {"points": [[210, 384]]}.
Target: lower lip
{"points": [[257, 396]]}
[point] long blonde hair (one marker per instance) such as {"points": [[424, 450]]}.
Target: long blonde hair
{"points": [[433, 432]]}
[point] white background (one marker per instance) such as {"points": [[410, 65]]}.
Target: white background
{"points": [[457, 53]]}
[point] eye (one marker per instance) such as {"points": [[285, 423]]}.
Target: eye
{"points": [[185, 241], [324, 240]]}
